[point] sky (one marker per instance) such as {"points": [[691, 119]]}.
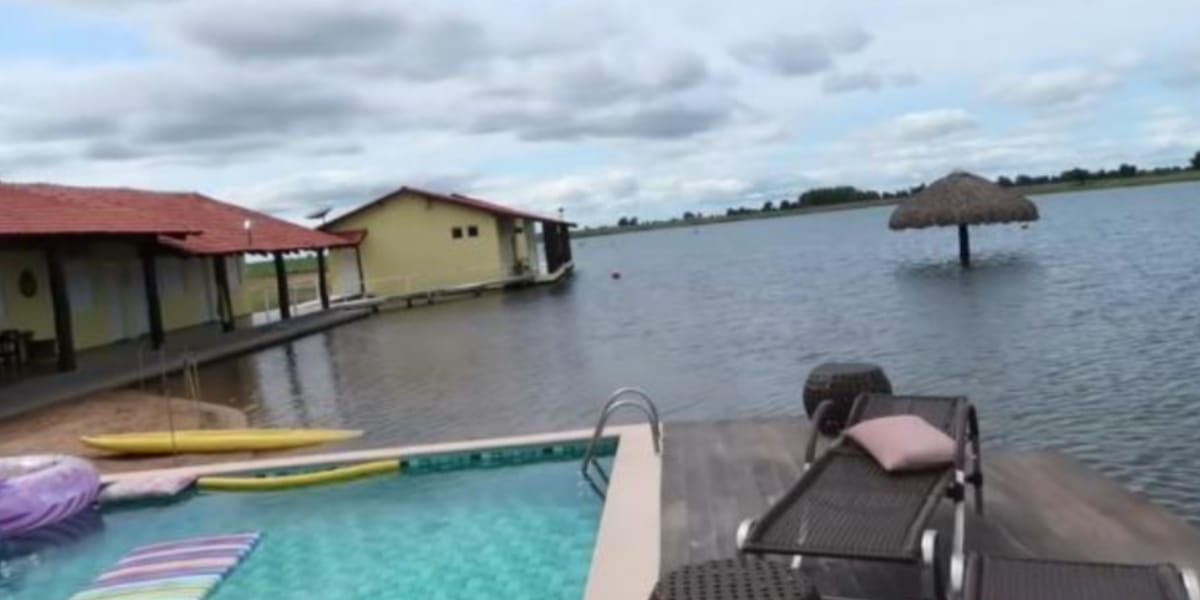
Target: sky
{"points": [[603, 109]]}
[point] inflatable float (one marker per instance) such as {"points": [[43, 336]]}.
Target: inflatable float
{"points": [[215, 440], [39, 490], [264, 483], [180, 570]]}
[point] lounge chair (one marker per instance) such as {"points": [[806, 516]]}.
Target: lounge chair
{"points": [[846, 506], [733, 579], [991, 578]]}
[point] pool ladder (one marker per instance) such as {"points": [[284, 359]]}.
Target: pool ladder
{"points": [[633, 398]]}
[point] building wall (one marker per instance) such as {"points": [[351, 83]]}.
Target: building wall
{"points": [[410, 247], [17, 311], [106, 288]]}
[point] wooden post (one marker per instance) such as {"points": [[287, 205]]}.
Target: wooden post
{"points": [[153, 306], [224, 298], [63, 331], [322, 287], [362, 283], [964, 246], [281, 285]]}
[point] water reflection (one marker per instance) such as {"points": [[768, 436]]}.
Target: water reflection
{"points": [[1075, 334]]}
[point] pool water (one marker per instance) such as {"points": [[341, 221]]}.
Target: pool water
{"points": [[508, 532]]}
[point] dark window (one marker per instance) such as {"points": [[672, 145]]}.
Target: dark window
{"points": [[456, 233], [472, 231]]}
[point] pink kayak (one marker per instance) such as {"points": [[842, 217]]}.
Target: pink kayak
{"points": [[44, 489]]}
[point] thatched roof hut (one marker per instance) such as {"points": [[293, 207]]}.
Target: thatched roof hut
{"points": [[962, 199]]}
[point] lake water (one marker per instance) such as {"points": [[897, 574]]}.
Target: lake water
{"points": [[1079, 333]]}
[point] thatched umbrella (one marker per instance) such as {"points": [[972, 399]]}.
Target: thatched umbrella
{"points": [[962, 199]]}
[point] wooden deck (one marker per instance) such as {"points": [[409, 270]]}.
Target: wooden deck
{"points": [[1039, 504], [125, 363]]}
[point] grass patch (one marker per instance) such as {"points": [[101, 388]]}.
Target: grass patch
{"points": [[266, 269]]}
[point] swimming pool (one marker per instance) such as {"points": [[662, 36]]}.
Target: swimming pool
{"points": [[436, 532]]}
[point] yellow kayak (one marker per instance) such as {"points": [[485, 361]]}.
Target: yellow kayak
{"points": [[278, 482], [215, 440]]}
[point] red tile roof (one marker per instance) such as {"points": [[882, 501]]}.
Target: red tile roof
{"points": [[186, 221], [44, 209], [459, 199], [354, 236]]}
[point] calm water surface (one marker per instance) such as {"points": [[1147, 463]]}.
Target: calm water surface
{"points": [[1079, 333]]}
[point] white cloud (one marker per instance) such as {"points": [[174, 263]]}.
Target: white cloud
{"points": [[1055, 88], [799, 55], [837, 83], [928, 125], [605, 107], [1172, 133]]}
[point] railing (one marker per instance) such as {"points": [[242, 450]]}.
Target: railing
{"points": [[631, 397]]}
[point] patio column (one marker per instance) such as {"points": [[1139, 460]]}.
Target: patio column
{"points": [[362, 283], [322, 285], [281, 284], [63, 331], [153, 306], [224, 298]]}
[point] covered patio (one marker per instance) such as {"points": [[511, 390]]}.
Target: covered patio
{"points": [[87, 271]]}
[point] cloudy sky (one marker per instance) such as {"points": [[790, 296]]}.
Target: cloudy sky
{"points": [[603, 108]]}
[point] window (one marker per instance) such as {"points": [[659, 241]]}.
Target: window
{"points": [[170, 276], [79, 285], [456, 233], [472, 231]]}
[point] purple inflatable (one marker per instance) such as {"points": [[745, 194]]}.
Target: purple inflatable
{"points": [[44, 489]]}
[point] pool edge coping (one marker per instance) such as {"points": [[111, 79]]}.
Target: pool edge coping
{"points": [[625, 562]]}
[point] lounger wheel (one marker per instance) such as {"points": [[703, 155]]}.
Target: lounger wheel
{"points": [[1190, 582], [931, 566], [743, 532], [958, 576]]}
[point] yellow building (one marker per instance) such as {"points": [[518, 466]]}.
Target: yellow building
{"points": [[84, 267], [413, 241], [106, 289]]}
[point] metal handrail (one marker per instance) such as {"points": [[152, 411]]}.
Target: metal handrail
{"points": [[639, 400]]}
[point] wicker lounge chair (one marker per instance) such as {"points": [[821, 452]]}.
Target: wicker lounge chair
{"points": [[732, 579], [846, 506], [990, 578]]}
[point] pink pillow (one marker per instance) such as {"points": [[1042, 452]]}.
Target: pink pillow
{"points": [[903, 443], [149, 487]]}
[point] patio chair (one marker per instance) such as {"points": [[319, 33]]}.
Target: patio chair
{"points": [[990, 578], [846, 506], [10, 351]]}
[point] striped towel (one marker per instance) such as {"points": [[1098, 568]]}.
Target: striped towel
{"points": [[182, 570]]}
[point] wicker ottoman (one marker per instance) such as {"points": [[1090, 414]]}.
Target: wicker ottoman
{"points": [[841, 383], [735, 579]]}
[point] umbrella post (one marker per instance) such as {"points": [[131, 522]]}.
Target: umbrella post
{"points": [[964, 246]]}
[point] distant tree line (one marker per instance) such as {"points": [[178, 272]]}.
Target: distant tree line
{"points": [[1081, 176], [829, 196]]}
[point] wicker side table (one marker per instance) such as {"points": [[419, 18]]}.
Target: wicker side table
{"points": [[841, 383], [735, 579]]}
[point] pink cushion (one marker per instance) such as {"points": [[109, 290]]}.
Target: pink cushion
{"points": [[904, 443], [146, 488]]}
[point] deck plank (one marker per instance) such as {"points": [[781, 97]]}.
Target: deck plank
{"points": [[1039, 504]]}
